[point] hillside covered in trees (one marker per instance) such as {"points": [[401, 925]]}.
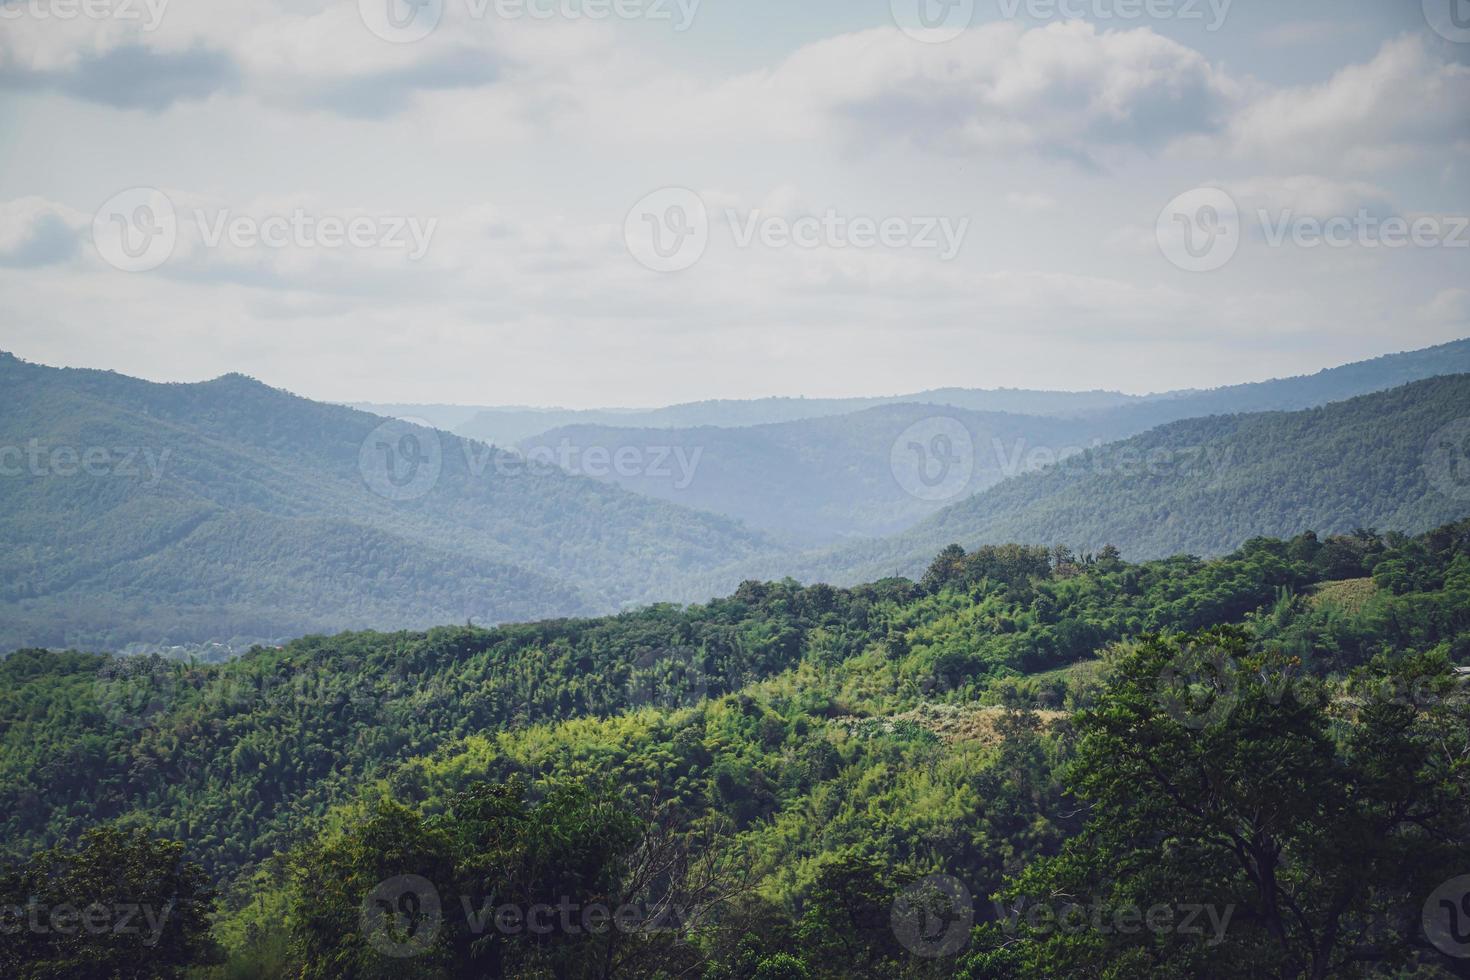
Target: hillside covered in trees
{"points": [[171, 513], [1389, 460], [786, 782], [818, 480]]}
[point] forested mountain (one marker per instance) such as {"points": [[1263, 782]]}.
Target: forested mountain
{"points": [[1289, 394], [818, 480], [780, 770], [1200, 485], [230, 511], [188, 512], [507, 426], [1115, 415]]}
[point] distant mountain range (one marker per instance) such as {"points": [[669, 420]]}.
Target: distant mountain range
{"points": [[819, 480], [177, 513], [159, 514], [512, 425], [1397, 460], [508, 426]]}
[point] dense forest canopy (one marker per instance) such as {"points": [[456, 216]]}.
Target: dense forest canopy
{"points": [[804, 772]]}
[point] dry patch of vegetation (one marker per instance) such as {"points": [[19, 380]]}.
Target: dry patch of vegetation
{"points": [[949, 723], [1349, 595]]}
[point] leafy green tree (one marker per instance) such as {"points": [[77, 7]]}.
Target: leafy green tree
{"points": [[1301, 833], [117, 904]]}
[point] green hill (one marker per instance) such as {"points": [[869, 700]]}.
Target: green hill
{"points": [[817, 480], [184, 513], [814, 749], [1202, 485]]}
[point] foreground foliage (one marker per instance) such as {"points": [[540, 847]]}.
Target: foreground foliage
{"points": [[802, 762]]}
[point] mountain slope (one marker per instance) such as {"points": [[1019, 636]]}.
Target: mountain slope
{"points": [[816, 481], [506, 426], [1204, 485], [1117, 414], [185, 513], [1289, 394]]}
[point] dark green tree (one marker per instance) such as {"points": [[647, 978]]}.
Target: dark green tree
{"points": [[1300, 833], [116, 904]]}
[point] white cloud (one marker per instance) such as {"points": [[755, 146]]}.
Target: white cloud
{"points": [[1399, 107], [1449, 307], [1309, 195], [1067, 90]]}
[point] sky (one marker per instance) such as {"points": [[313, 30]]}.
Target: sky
{"points": [[640, 202]]}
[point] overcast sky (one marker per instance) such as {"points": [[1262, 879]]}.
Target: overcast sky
{"points": [[458, 202]]}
